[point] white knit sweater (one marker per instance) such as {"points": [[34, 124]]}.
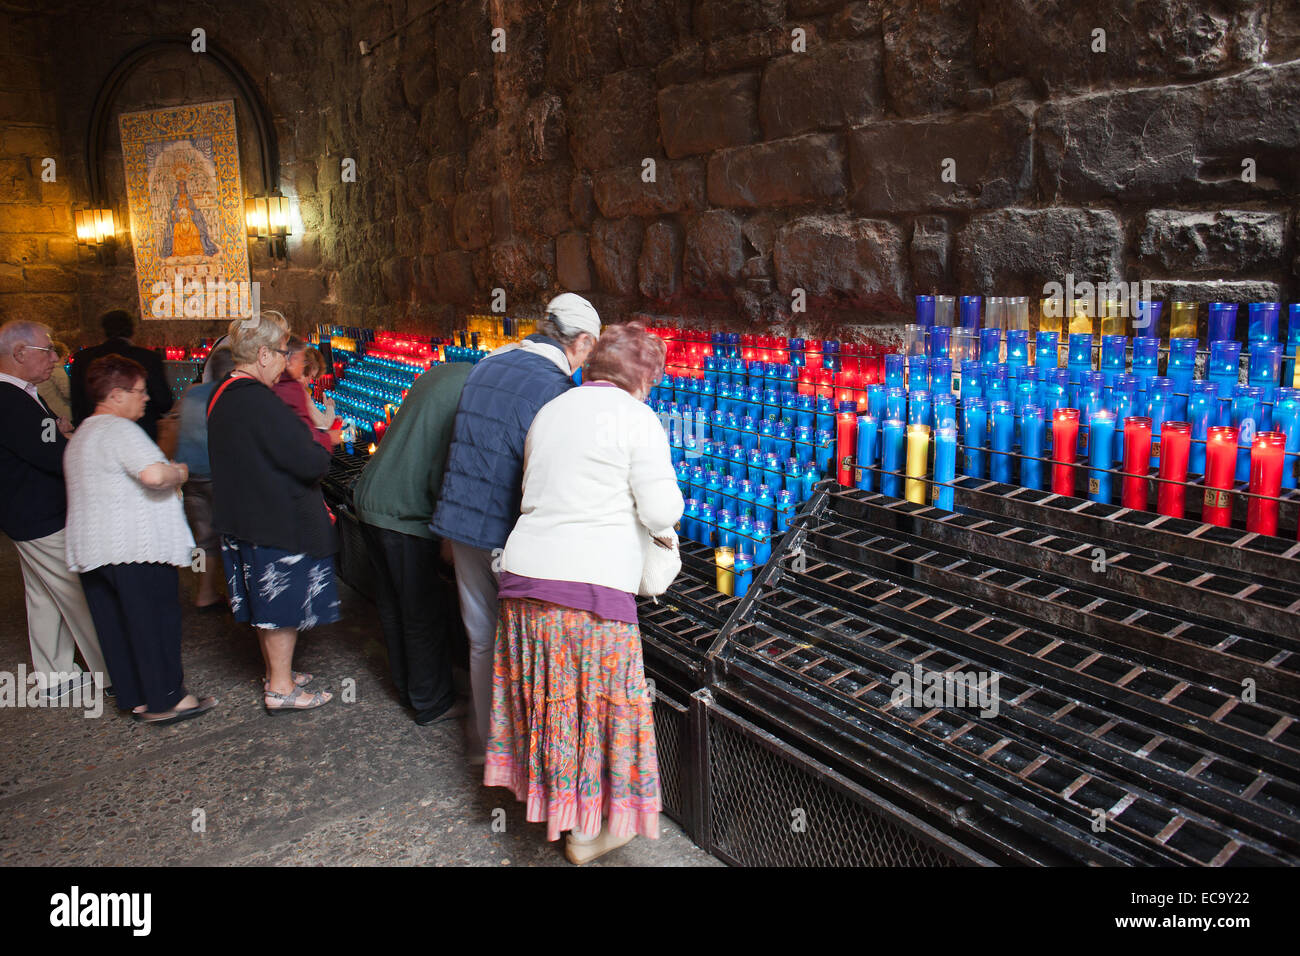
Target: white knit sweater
{"points": [[597, 476], [112, 517]]}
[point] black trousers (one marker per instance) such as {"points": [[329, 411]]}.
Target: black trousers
{"points": [[137, 613], [416, 613]]}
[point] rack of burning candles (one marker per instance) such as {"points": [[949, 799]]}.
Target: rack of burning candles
{"points": [[1038, 448]]}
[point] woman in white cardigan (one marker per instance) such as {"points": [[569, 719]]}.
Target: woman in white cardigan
{"points": [[572, 731], [126, 536]]}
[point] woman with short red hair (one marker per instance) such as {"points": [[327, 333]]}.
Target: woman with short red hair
{"points": [[572, 732], [126, 536]]}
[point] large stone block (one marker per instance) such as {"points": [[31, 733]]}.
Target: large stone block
{"points": [[714, 252], [521, 267], [660, 266], [445, 175], [719, 18], [455, 272], [542, 132], [931, 254], [572, 262], [646, 31], [539, 202], [582, 200], [1228, 240], [713, 114], [677, 187], [615, 248], [472, 220], [739, 53], [685, 65], [475, 93], [17, 184], [806, 169], [1219, 290], [901, 166], [860, 262], [837, 84], [612, 120], [1019, 251], [1182, 142], [49, 279], [583, 43], [930, 54], [1052, 41], [435, 228], [492, 152], [463, 39]]}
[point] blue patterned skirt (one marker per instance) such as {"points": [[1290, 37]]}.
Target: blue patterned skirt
{"points": [[272, 588]]}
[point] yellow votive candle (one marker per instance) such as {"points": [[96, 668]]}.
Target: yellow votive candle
{"points": [[918, 458]]}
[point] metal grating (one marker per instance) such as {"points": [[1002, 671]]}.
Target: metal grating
{"points": [[671, 724], [768, 811]]}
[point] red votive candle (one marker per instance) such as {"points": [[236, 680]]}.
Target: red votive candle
{"points": [[1220, 465], [1137, 461], [1265, 479], [1175, 446], [1065, 435], [846, 443]]}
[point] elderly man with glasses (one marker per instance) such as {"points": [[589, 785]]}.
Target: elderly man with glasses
{"points": [[33, 511]]}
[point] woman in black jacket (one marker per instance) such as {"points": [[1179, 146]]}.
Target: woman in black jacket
{"points": [[277, 542]]}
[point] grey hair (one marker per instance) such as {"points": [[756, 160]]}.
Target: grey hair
{"points": [[18, 332], [267, 329], [551, 326]]}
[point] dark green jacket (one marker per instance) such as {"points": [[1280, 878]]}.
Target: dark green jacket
{"points": [[399, 487]]}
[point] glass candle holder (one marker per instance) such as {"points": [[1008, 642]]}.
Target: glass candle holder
{"points": [[944, 411], [1222, 322], [846, 442], [969, 315], [918, 459], [918, 372], [1266, 458], [1137, 462], [1160, 391], [995, 312], [1002, 440], [914, 339], [963, 344], [1245, 418], [990, 346], [1175, 445], [868, 430], [1290, 367], [945, 467], [895, 370], [918, 408], [1182, 369], [1017, 347], [1102, 429], [1079, 356], [975, 427], [1224, 367], [1220, 465], [968, 383], [1262, 321], [1031, 446], [1182, 320], [944, 310], [1113, 358], [724, 560], [1051, 314], [940, 375], [1146, 318], [1046, 350], [1018, 312], [1146, 360], [937, 342], [925, 310], [1286, 419], [1202, 413], [1264, 369], [892, 445], [1065, 433]]}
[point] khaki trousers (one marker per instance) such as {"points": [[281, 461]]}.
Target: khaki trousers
{"points": [[58, 618]]}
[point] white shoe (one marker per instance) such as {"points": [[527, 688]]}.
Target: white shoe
{"points": [[580, 850], [63, 690]]}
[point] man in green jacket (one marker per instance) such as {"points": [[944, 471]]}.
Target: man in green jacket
{"points": [[395, 498]]}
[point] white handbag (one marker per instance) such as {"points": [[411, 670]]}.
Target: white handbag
{"points": [[659, 566]]}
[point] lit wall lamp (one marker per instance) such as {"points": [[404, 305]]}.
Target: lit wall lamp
{"points": [[267, 218], [97, 231]]}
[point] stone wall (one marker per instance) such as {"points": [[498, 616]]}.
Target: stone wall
{"points": [[861, 152]]}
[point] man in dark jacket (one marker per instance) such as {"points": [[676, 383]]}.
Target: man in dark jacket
{"points": [[483, 486], [34, 508], [395, 498], [118, 329]]}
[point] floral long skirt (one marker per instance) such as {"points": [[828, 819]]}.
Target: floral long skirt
{"points": [[572, 723]]}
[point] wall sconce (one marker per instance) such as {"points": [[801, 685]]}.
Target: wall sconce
{"points": [[267, 217], [97, 231]]}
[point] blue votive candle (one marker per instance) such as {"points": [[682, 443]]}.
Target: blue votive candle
{"points": [[1031, 446], [1101, 447], [1004, 431]]}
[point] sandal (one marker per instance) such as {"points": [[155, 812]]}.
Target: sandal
{"points": [[297, 700], [299, 679], [204, 705]]}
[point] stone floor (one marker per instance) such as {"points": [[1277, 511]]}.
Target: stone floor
{"points": [[352, 783]]}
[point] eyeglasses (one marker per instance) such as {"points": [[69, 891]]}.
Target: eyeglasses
{"points": [[42, 348]]}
